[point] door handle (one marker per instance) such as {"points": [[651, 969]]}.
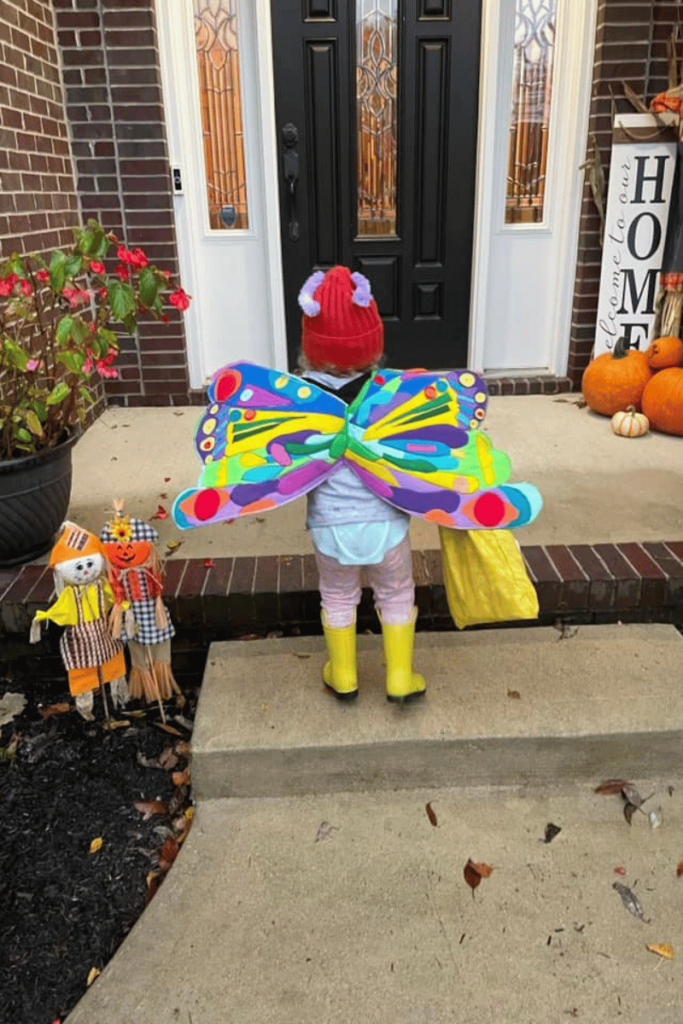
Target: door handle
{"points": [[290, 168]]}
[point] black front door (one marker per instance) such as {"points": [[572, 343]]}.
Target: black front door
{"points": [[376, 114]]}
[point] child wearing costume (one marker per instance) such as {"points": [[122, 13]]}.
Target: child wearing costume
{"points": [[146, 627], [342, 342], [91, 655], [370, 448]]}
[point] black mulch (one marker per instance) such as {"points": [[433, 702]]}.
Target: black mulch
{"points": [[65, 782]]}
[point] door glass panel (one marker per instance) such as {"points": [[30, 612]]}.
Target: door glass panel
{"points": [[377, 115], [217, 48], [532, 79]]}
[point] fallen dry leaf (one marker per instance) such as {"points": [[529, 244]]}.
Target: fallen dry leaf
{"points": [[679, 869], [96, 844], [550, 832], [169, 852], [631, 794], [664, 949], [325, 831], [54, 709], [168, 758], [182, 748], [167, 479], [630, 900], [431, 814], [611, 787], [150, 807], [160, 513], [181, 778], [164, 495], [115, 723], [209, 563], [474, 872], [629, 811], [620, 871], [173, 545], [168, 728], [153, 882], [11, 705], [514, 695], [93, 973]]}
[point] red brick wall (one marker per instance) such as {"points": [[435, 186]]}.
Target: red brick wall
{"points": [[630, 46], [38, 204], [110, 60]]}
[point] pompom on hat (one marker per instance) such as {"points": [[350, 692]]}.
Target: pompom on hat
{"points": [[341, 326]]}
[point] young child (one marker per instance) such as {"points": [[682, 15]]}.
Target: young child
{"points": [[369, 448], [342, 343]]}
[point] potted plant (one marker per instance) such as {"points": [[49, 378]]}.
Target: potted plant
{"points": [[58, 322]]}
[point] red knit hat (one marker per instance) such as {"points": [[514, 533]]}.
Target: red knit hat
{"points": [[341, 326]]}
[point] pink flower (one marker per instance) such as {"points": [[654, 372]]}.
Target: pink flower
{"points": [[103, 293], [91, 327], [5, 287], [33, 364], [42, 275], [138, 259], [167, 274], [75, 296], [25, 286], [87, 365], [96, 267], [180, 299], [122, 271], [124, 254]]}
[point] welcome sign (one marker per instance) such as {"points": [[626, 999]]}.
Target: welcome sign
{"points": [[640, 182]]}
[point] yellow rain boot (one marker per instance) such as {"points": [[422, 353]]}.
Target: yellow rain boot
{"points": [[402, 683], [339, 673]]}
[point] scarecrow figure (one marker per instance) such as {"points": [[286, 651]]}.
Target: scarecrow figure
{"points": [[146, 627], [91, 655]]}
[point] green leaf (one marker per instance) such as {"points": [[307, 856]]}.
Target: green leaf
{"points": [[79, 330], [130, 322], [17, 265], [40, 408], [100, 244], [84, 241], [148, 286], [63, 329], [33, 423], [17, 356], [72, 360], [59, 393], [86, 395], [121, 300], [73, 264], [107, 336], [57, 270], [22, 434]]}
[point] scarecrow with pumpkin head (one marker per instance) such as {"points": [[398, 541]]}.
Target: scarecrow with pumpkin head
{"points": [[139, 617]]}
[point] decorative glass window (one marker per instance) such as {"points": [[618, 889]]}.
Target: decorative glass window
{"points": [[377, 114], [217, 47], [532, 80]]}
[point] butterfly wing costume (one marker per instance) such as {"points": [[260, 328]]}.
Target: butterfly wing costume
{"points": [[412, 437]]}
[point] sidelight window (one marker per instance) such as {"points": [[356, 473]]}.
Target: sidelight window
{"points": [[217, 47], [532, 80]]}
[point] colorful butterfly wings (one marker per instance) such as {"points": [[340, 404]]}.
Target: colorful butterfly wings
{"points": [[412, 438]]}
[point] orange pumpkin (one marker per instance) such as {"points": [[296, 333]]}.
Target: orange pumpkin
{"points": [[615, 379], [663, 400], [666, 351]]}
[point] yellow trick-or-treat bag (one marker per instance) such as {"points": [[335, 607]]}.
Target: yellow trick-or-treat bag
{"points": [[485, 577]]}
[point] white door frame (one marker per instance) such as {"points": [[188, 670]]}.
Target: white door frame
{"points": [[261, 150], [573, 77]]}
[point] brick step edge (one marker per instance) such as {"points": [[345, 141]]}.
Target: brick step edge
{"points": [[228, 597]]}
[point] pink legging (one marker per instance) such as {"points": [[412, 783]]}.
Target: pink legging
{"points": [[391, 581]]}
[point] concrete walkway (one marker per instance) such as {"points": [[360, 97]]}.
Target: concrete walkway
{"points": [[597, 487], [322, 905]]}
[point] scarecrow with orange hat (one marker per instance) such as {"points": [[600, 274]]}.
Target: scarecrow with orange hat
{"points": [[91, 655]]}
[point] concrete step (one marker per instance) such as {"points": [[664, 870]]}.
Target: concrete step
{"points": [[606, 701], [352, 907]]}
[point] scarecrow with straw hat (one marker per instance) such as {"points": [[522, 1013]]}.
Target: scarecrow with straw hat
{"points": [[139, 617], [91, 655]]}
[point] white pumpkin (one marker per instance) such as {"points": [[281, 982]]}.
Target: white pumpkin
{"points": [[630, 423]]}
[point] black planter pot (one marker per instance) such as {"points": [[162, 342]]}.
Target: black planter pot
{"points": [[34, 497]]}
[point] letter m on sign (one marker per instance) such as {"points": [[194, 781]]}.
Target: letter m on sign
{"points": [[647, 288]]}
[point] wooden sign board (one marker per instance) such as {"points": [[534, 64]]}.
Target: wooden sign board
{"points": [[640, 182]]}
